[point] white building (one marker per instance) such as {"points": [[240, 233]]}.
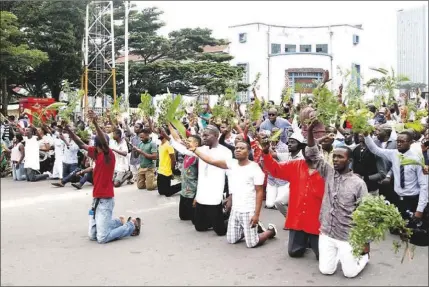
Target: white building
{"points": [[285, 55], [412, 43]]}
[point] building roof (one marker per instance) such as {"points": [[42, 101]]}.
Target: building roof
{"points": [[131, 57], [215, 49], [358, 26], [206, 49], [305, 70]]}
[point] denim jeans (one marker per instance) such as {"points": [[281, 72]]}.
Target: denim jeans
{"points": [[86, 177], [33, 175], [70, 176], [68, 168], [105, 229], [18, 172]]}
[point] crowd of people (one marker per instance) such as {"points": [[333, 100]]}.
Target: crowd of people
{"points": [[313, 175]]}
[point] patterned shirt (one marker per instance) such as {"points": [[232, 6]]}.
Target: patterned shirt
{"points": [[341, 197], [189, 176]]}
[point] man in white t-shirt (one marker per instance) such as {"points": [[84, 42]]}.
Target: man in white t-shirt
{"points": [[246, 181], [119, 146]]}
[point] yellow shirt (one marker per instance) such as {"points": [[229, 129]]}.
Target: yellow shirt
{"points": [[164, 159]]}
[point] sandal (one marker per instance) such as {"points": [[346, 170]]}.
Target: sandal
{"points": [[138, 225]]}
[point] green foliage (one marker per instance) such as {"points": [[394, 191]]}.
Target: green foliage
{"points": [[327, 106], [371, 220], [223, 111], [74, 97], [146, 106], [84, 135], [56, 28], [409, 161], [17, 57], [287, 95], [167, 109], [276, 136], [386, 84], [356, 111], [176, 62]]}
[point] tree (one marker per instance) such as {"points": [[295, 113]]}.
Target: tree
{"points": [[57, 28], [386, 84], [16, 56], [176, 62]]}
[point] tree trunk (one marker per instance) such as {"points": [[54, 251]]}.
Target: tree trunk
{"points": [[55, 91], [5, 98]]}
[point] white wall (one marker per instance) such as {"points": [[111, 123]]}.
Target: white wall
{"points": [[279, 64], [255, 52]]}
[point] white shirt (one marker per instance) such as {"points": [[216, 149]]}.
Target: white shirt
{"points": [[70, 153], [242, 181], [32, 153], [122, 163], [211, 179], [47, 139], [59, 148]]}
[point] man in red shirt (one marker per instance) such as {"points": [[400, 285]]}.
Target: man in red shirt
{"points": [[101, 225], [305, 200]]}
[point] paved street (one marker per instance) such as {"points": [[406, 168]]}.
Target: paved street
{"points": [[44, 242]]}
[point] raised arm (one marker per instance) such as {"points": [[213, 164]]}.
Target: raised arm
{"points": [[101, 136], [75, 138], [387, 154], [209, 160], [313, 153]]}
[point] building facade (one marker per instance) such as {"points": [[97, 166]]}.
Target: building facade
{"points": [[412, 43], [285, 55]]}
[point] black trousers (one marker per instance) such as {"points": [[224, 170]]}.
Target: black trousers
{"points": [[186, 210], [299, 241], [405, 204], [207, 216], [165, 187]]}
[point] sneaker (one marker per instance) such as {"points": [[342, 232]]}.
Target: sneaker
{"points": [[261, 227], [57, 184], [273, 228], [77, 185]]}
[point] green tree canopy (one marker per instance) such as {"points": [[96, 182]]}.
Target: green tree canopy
{"points": [[17, 58]]}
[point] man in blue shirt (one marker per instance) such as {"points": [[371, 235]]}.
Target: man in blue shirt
{"points": [[275, 122]]}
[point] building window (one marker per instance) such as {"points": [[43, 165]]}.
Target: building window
{"points": [[290, 48], [243, 97], [275, 48], [305, 48], [242, 37], [322, 48], [357, 69], [355, 39]]}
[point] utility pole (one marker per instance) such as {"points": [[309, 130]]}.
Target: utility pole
{"points": [[126, 91]]}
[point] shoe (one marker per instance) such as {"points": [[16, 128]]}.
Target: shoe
{"points": [[261, 227], [273, 228], [57, 184], [77, 185]]}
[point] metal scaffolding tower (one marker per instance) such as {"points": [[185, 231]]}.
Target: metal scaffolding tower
{"points": [[99, 51]]}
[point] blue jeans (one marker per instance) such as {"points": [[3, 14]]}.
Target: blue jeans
{"points": [[105, 229], [68, 169], [18, 172]]}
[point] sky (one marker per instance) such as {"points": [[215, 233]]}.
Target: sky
{"points": [[377, 17]]}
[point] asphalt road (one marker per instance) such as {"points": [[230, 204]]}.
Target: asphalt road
{"points": [[44, 242]]}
